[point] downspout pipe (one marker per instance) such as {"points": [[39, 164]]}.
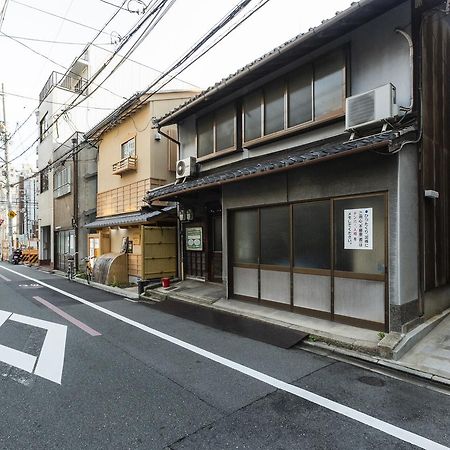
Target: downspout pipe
{"points": [[411, 67]]}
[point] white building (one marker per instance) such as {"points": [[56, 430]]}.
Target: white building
{"points": [[56, 129]]}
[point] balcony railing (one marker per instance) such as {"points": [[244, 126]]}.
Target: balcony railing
{"points": [[125, 165], [69, 82]]}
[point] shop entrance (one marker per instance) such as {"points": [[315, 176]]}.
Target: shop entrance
{"points": [[64, 246], [325, 258]]}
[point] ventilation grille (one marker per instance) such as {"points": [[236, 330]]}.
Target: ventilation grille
{"points": [[361, 109]]}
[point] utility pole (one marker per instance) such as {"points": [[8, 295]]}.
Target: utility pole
{"points": [[21, 215], [8, 194], [75, 194]]}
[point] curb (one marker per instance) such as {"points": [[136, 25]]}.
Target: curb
{"points": [[110, 289], [102, 287], [327, 338], [390, 364], [417, 334]]}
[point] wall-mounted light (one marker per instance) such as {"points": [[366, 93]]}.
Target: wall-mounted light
{"points": [[189, 215], [186, 215]]}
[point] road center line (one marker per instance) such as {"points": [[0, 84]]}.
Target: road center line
{"points": [[68, 317], [331, 405]]}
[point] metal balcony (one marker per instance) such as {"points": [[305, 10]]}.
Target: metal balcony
{"points": [[69, 82], [127, 164]]}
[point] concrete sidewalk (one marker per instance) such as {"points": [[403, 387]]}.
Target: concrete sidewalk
{"points": [[432, 353], [423, 352]]}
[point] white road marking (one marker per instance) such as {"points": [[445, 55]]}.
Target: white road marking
{"points": [[16, 358], [4, 278], [4, 316], [331, 405], [51, 359]]}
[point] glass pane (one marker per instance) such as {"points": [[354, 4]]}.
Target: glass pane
{"points": [[300, 97], [329, 85], [252, 117], [312, 235], [128, 148], [205, 144], [274, 107], [225, 119], [359, 234], [245, 242], [275, 242]]}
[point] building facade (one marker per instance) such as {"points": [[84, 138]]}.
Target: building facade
{"points": [[133, 158], [69, 104], [291, 205]]}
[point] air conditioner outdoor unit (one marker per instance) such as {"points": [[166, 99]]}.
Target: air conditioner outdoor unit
{"points": [[371, 107], [185, 167]]}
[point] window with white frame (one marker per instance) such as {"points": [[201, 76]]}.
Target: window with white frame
{"points": [[62, 181], [128, 148]]}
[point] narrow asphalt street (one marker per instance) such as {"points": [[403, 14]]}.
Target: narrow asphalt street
{"points": [[119, 374]]}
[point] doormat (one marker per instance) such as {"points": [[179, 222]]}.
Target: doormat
{"points": [[243, 326]]}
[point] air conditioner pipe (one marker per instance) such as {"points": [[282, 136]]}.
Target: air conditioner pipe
{"points": [[411, 66], [167, 136]]}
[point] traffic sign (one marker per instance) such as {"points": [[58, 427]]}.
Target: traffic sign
{"points": [[12, 214]]}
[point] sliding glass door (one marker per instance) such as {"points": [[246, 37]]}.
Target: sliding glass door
{"points": [[326, 258]]}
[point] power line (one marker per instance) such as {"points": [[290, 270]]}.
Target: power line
{"points": [[152, 89], [32, 49], [72, 105], [3, 12], [144, 65], [113, 4], [55, 103], [27, 38], [60, 65], [59, 17], [233, 13], [158, 11]]}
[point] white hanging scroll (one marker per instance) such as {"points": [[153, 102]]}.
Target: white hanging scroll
{"points": [[358, 229]]}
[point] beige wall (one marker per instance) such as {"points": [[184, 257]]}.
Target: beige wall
{"points": [[152, 155]]}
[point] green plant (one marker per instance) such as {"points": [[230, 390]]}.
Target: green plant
{"points": [[312, 338], [381, 335]]}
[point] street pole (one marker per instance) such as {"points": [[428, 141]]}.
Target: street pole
{"points": [[8, 194], [75, 195]]}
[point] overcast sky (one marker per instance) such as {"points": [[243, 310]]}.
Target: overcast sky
{"points": [[24, 72]]}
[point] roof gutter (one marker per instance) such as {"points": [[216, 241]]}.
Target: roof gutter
{"points": [[374, 146]]}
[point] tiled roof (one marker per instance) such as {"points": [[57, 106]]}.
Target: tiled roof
{"points": [[285, 160], [129, 219], [342, 22]]}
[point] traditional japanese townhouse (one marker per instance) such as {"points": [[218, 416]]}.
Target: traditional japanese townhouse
{"points": [[133, 158], [315, 179]]}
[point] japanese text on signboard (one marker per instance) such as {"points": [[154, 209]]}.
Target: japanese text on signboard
{"points": [[358, 229]]}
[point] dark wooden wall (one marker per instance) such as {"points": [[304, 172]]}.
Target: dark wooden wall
{"points": [[435, 158]]}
